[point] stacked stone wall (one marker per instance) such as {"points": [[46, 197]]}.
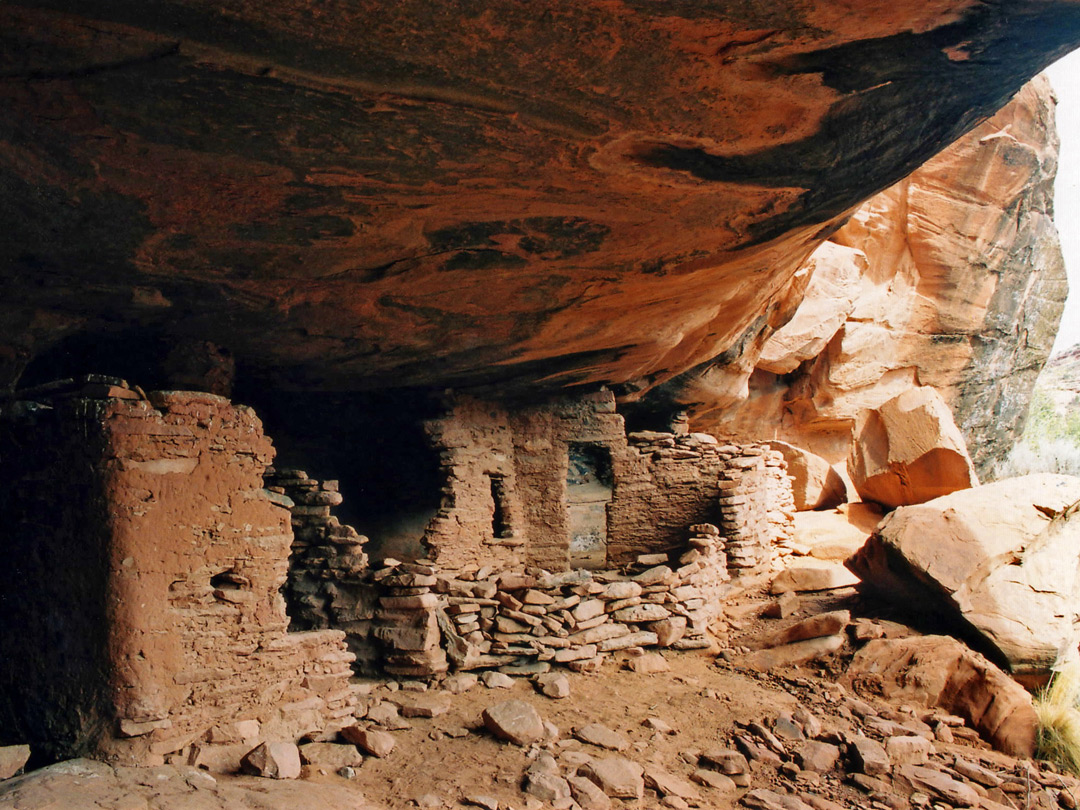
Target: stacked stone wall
{"points": [[189, 553]]}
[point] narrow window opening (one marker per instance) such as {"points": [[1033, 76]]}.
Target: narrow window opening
{"points": [[500, 523]]}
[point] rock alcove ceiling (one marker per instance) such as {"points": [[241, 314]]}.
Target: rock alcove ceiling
{"points": [[514, 196]]}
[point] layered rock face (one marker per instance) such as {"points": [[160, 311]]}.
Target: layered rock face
{"points": [[952, 279], [362, 196]]}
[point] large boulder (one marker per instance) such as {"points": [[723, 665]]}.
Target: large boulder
{"points": [[962, 285], [909, 450], [938, 671], [814, 482], [1003, 558]]}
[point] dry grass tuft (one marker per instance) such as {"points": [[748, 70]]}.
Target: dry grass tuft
{"points": [[1059, 720]]}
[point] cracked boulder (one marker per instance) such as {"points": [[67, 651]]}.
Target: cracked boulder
{"points": [[908, 450], [1002, 560]]}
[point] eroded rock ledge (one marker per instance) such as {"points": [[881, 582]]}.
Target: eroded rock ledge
{"points": [[518, 196]]}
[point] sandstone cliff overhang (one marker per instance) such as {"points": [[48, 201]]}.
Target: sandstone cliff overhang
{"points": [[377, 194]]}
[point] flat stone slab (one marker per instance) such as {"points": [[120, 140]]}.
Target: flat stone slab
{"points": [[602, 736]]}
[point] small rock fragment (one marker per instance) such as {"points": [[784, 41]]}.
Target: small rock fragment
{"points": [[515, 721], [273, 760], [372, 741], [12, 759], [618, 777], [869, 756], [554, 685], [587, 794], [496, 680], [602, 736]]}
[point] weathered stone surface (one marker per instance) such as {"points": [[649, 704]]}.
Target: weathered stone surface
{"points": [[835, 272], [587, 794], [273, 760], [812, 575], [824, 624], [993, 556], [377, 743], [939, 671], [939, 784], [406, 187], [12, 759], [82, 783], [817, 756], [959, 295], [715, 780], [547, 787], [514, 720], [814, 482], [667, 784], [908, 450], [869, 756], [908, 749], [601, 736], [331, 756], [618, 777]]}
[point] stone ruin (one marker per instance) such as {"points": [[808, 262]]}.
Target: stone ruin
{"points": [[174, 595]]}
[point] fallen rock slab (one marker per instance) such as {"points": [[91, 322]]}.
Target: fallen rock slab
{"points": [[273, 760], [601, 736], [12, 759], [909, 450], [331, 756], [939, 784], [824, 624], [765, 799], [587, 794], [668, 784], [939, 671], [814, 482], [372, 741], [1001, 558], [810, 574], [515, 721], [794, 654], [619, 778]]}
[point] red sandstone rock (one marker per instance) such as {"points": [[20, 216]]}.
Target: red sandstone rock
{"points": [[274, 760], [940, 671], [949, 266], [401, 196], [908, 450], [1001, 558], [515, 721], [815, 484]]}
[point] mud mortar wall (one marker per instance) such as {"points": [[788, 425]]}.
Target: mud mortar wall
{"points": [[193, 553]]}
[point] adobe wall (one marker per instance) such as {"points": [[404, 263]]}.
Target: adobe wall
{"points": [[661, 483], [189, 554]]}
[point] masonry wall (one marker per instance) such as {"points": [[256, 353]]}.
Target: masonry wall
{"points": [[189, 554]]}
